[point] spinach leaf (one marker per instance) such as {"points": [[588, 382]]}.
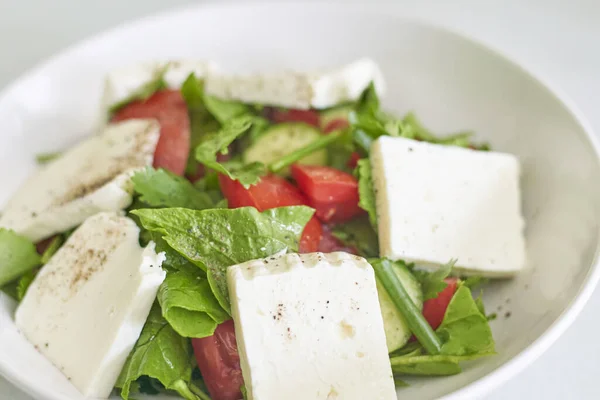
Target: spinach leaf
{"points": [[17, 256], [366, 191], [188, 303], [206, 152], [159, 353], [358, 233], [160, 188], [433, 283], [218, 238]]}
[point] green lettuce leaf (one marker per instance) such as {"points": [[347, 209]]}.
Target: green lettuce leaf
{"points": [[17, 256], [188, 303], [201, 120], [218, 238], [162, 354], [206, 152], [366, 191], [465, 330], [160, 188], [143, 93], [224, 110], [358, 233], [433, 283]]}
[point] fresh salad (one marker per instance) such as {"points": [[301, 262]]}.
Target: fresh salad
{"points": [[271, 236]]}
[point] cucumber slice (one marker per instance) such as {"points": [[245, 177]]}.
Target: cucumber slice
{"points": [[332, 114], [283, 139], [396, 330]]}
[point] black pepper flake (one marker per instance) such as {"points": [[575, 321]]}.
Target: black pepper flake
{"points": [[274, 317], [507, 314], [46, 344], [327, 301], [410, 149], [322, 317]]}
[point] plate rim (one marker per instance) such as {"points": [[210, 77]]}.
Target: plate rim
{"points": [[496, 377]]}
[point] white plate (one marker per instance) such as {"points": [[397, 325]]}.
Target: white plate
{"points": [[451, 82]]}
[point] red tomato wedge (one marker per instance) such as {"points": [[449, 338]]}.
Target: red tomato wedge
{"points": [[309, 117], [170, 109], [336, 124], [271, 192], [435, 309], [219, 363], [333, 193]]}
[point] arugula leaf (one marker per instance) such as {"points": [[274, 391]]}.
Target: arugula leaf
{"points": [[218, 238], [433, 283], [206, 152], [160, 188], [143, 93], [465, 330], [188, 303], [427, 365], [201, 120], [17, 256], [159, 353], [24, 283], [366, 191], [399, 382], [224, 110], [358, 233], [45, 158]]}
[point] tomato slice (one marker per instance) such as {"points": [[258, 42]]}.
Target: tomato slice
{"points": [[310, 117], [435, 309], [336, 124], [271, 192], [219, 363], [170, 109], [333, 193]]}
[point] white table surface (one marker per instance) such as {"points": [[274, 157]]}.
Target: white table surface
{"points": [[557, 40]]}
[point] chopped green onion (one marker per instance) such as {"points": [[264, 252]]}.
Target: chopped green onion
{"points": [[414, 319], [310, 148]]}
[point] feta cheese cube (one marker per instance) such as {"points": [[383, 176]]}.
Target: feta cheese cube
{"points": [[91, 177], [436, 203], [302, 90], [87, 306], [124, 82], [309, 326]]}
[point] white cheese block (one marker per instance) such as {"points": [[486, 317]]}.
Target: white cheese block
{"points": [[436, 203], [309, 327], [302, 90], [124, 82], [91, 177], [86, 308]]}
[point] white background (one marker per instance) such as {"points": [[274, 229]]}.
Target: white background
{"points": [[557, 40]]}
